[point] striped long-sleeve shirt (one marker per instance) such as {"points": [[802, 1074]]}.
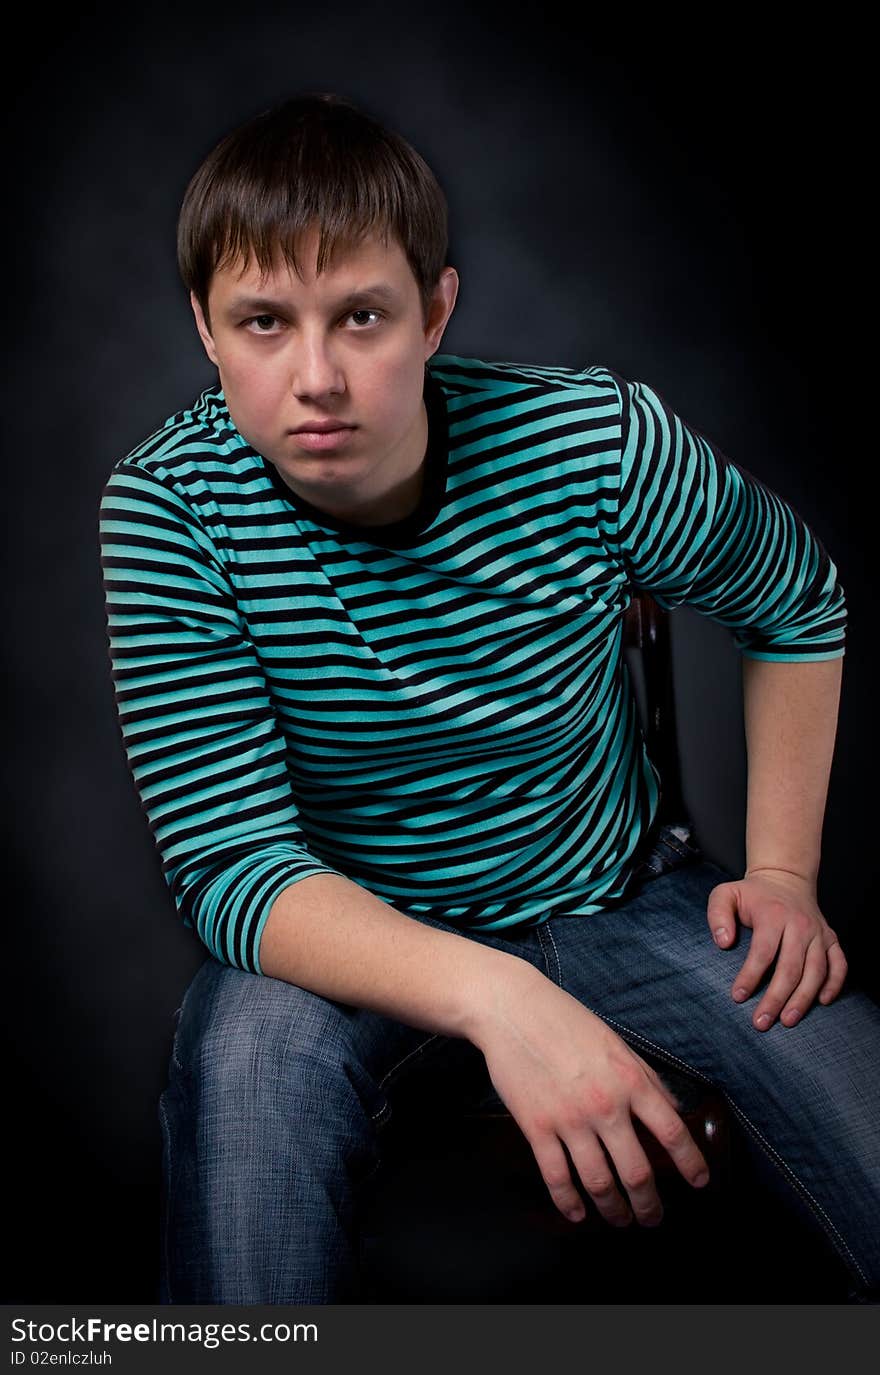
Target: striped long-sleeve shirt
{"points": [[437, 709]]}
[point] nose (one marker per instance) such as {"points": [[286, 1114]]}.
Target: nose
{"points": [[315, 371]]}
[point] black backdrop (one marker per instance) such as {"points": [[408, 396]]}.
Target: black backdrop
{"points": [[684, 206]]}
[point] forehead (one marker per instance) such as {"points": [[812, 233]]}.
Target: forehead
{"points": [[352, 267]]}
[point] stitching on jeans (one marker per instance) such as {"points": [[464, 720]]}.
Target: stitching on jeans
{"points": [[379, 1118], [164, 1116], [176, 1024], [178, 1016], [380, 1160], [799, 1185], [544, 929], [394, 1068]]}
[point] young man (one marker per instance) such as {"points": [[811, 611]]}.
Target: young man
{"points": [[365, 606]]}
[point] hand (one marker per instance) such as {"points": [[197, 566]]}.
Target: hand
{"points": [[781, 909], [569, 1080]]}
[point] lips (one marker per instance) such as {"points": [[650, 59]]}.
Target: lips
{"points": [[321, 427], [323, 441]]}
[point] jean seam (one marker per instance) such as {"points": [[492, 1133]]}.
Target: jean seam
{"points": [[178, 1017], [378, 1119], [545, 935], [822, 1217], [417, 1050], [174, 1056], [168, 1177]]}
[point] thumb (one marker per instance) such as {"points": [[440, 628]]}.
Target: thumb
{"points": [[721, 914]]}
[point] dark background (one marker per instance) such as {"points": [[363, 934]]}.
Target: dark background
{"points": [[686, 206]]}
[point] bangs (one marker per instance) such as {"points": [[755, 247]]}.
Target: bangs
{"points": [[314, 162]]}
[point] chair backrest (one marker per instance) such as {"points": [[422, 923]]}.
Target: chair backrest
{"points": [[646, 631]]}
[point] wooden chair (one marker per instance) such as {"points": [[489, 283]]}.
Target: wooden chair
{"points": [[458, 1211]]}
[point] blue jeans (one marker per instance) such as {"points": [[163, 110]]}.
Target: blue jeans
{"points": [[276, 1097]]}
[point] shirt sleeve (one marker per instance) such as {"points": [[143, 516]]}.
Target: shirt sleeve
{"points": [[200, 734], [695, 529]]}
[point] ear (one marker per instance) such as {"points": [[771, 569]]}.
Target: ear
{"points": [[204, 332], [442, 306]]}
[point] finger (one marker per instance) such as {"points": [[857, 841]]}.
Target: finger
{"points": [[661, 1085], [838, 968], [673, 1135], [814, 976], [554, 1167], [789, 972], [721, 913], [762, 953], [594, 1171], [634, 1171]]}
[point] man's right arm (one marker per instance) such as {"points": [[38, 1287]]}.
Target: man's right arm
{"points": [[562, 1073], [208, 760], [334, 937]]}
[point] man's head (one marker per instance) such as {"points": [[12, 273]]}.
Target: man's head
{"points": [[283, 228], [314, 159]]}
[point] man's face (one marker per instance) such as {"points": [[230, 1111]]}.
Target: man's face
{"points": [[349, 346]]}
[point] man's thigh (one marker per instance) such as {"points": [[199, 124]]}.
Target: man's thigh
{"points": [[807, 1097], [652, 971]]}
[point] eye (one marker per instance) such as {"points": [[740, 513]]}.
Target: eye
{"points": [[259, 320], [365, 311]]}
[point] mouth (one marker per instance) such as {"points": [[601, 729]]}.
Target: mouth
{"points": [[323, 440], [322, 426]]}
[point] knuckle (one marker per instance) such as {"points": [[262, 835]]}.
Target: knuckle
{"points": [[638, 1177], [790, 966], [753, 968], [557, 1181], [762, 951], [565, 1198], [650, 1217], [632, 1070], [601, 1104], [572, 1117], [773, 999], [599, 1186], [672, 1133], [541, 1127]]}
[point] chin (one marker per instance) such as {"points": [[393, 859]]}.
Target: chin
{"points": [[317, 474]]}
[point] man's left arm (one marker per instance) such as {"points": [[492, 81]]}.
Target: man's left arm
{"points": [[696, 529], [790, 722]]}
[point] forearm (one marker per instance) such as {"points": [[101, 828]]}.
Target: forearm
{"points": [[790, 722], [333, 937]]}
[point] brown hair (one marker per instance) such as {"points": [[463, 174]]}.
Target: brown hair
{"points": [[313, 158]]}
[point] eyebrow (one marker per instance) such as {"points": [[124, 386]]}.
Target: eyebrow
{"points": [[379, 291]]}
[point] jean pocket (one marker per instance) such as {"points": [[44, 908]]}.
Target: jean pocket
{"points": [[673, 846]]}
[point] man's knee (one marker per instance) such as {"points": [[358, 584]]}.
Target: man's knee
{"points": [[252, 1047]]}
